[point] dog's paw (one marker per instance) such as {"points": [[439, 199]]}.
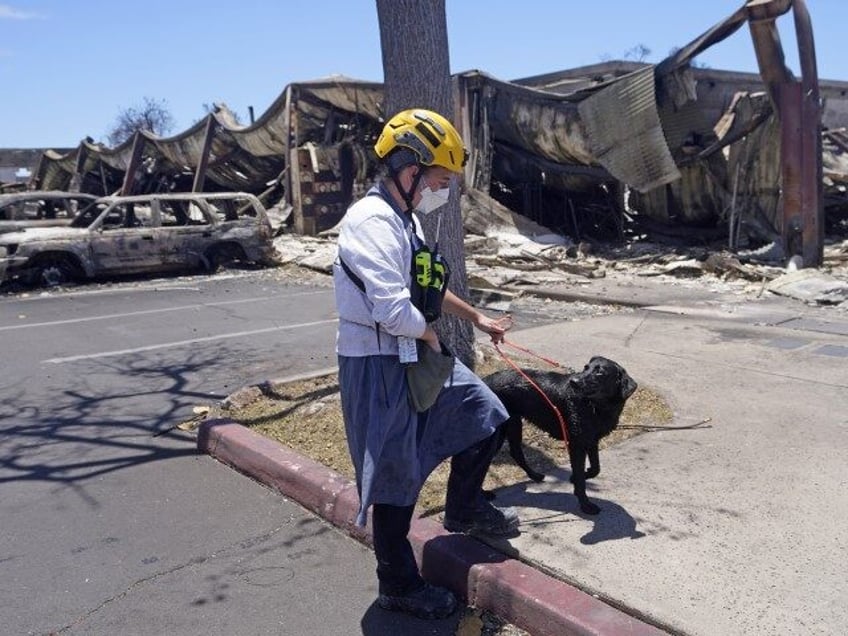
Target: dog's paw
{"points": [[589, 508], [537, 477], [488, 495]]}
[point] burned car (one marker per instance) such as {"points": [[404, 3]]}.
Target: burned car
{"points": [[140, 234], [40, 208]]}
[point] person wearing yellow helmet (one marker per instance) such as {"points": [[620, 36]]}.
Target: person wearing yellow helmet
{"points": [[382, 322], [422, 138], [432, 137]]}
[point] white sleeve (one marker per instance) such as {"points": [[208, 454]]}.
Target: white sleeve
{"points": [[378, 251]]}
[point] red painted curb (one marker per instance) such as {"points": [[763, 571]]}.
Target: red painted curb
{"points": [[516, 592], [313, 485]]}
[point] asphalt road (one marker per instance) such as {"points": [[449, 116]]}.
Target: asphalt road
{"points": [[111, 521]]}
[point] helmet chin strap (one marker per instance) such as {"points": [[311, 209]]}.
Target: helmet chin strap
{"points": [[408, 195]]}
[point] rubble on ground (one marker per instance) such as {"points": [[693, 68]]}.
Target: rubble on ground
{"points": [[812, 286], [512, 251]]}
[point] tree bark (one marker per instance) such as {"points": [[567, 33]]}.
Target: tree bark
{"points": [[416, 74]]}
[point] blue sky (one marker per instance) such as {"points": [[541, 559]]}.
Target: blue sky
{"points": [[68, 67]]}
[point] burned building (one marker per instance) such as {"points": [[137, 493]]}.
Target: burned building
{"points": [[307, 150], [670, 149], [16, 167]]}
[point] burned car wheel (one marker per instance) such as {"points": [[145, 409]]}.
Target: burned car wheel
{"points": [[222, 254], [53, 270]]}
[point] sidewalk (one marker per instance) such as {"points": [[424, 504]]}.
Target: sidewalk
{"points": [[737, 527]]}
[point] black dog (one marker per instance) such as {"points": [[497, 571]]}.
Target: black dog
{"points": [[590, 401]]}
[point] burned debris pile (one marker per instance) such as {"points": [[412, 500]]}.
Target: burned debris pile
{"points": [[504, 249]]}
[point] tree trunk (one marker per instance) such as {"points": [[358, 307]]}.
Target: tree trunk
{"points": [[416, 72]]}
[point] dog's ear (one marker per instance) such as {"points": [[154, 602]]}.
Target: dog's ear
{"points": [[627, 385]]}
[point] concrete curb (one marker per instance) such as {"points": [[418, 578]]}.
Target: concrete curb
{"points": [[488, 579], [630, 299]]}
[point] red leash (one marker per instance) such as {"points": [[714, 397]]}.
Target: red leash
{"points": [[535, 355], [553, 406]]}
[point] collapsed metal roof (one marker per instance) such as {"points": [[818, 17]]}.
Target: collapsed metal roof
{"points": [[599, 120], [240, 157]]}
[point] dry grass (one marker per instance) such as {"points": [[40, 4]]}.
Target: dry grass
{"points": [[306, 416]]}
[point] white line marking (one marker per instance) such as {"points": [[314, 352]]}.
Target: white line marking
{"points": [[180, 343], [69, 321]]}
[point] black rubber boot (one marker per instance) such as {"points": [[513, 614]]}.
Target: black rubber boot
{"points": [[487, 519], [466, 508], [428, 601], [397, 571]]}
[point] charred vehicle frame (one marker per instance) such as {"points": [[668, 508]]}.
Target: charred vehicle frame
{"points": [[141, 234]]}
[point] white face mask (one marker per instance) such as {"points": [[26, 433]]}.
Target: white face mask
{"points": [[432, 200]]}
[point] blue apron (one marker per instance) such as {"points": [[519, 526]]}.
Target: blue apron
{"points": [[393, 448]]}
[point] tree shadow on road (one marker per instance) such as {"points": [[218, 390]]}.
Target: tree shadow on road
{"points": [[112, 414]]}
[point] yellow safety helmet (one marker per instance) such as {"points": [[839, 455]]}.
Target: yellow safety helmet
{"points": [[430, 136]]}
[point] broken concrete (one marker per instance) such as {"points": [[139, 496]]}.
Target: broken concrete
{"points": [[810, 286], [527, 258]]}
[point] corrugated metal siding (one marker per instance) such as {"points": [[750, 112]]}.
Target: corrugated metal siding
{"points": [[625, 133]]}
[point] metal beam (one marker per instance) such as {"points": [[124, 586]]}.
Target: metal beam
{"points": [[79, 168], [789, 107], [769, 51], [812, 188], [799, 112], [288, 185], [206, 150], [135, 162]]}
